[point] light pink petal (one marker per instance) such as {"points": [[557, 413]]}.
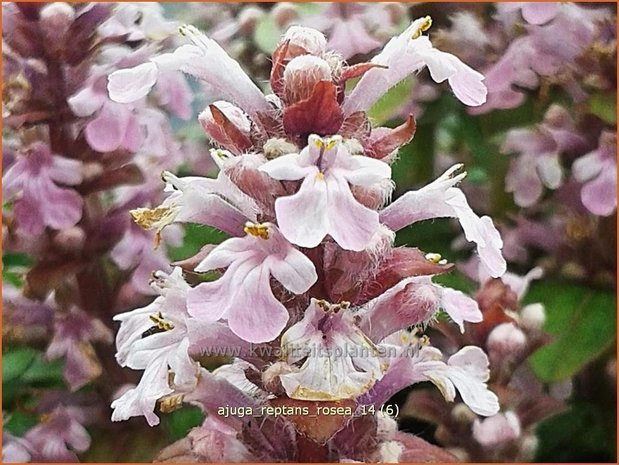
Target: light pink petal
{"points": [[295, 271], [175, 93], [539, 12], [129, 85], [106, 132], [366, 171], [287, 168], [600, 195], [142, 399], [133, 135], [497, 430], [460, 307], [226, 253], [257, 316], [340, 38], [302, 217], [208, 302], [66, 171], [524, 182], [86, 101], [549, 170], [61, 208], [587, 167], [351, 224]]}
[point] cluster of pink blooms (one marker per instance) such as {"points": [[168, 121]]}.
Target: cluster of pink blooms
{"points": [[74, 163], [562, 171], [509, 334], [308, 295]]}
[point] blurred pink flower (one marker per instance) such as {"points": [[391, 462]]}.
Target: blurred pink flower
{"points": [[32, 183]]}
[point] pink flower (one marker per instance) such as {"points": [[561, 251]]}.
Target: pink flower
{"points": [[467, 370], [415, 301], [243, 294], [598, 171], [215, 202], [533, 12], [32, 182], [115, 126], [205, 60], [74, 334], [441, 199], [59, 437], [324, 203], [154, 339], [339, 361], [405, 55]]}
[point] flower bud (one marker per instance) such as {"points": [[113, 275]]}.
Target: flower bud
{"points": [[532, 317], [302, 74], [528, 448], [284, 13], [498, 429], [463, 414], [57, 15], [248, 18], [70, 240], [227, 125], [506, 340], [304, 38]]}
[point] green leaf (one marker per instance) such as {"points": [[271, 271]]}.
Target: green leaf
{"points": [[16, 259], [582, 322], [383, 110], [604, 106], [585, 433], [16, 361], [196, 237], [44, 373], [267, 34], [179, 422], [20, 422]]}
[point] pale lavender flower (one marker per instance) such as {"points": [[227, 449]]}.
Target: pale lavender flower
{"points": [[441, 199], [598, 171], [407, 54], [154, 339], [74, 334], [34, 183], [250, 262], [60, 436], [339, 361], [324, 203], [497, 429]]}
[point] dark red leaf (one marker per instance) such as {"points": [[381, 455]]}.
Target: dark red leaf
{"points": [[357, 70], [237, 142], [277, 70], [394, 139], [320, 114]]}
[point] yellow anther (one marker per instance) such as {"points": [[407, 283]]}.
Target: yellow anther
{"points": [[147, 217], [424, 340], [171, 403], [319, 143], [332, 143], [425, 24], [260, 230], [160, 322], [320, 176], [434, 257]]}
